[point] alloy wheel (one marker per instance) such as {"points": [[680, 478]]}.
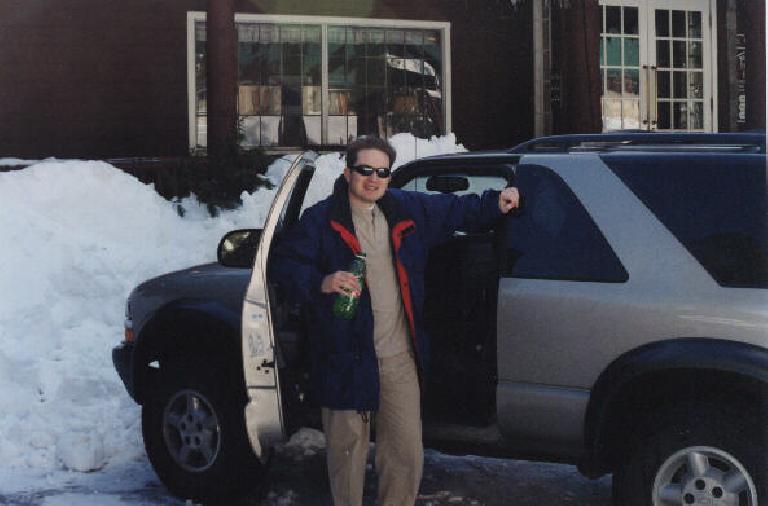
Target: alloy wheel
{"points": [[703, 475], [191, 431]]}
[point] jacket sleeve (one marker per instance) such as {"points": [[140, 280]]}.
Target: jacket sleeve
{"points": [[444, 214], [295, 263]]}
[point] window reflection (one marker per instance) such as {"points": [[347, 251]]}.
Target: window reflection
{"points": [[662, 84], [694, 24], [631, 114], [697, 116], [663, 116], [385, 81], [696, 85], [680, 115], [678, 23], [279, 67], [612, 114], [630, 20], [380, 81], [662, 23], [631, 82]]}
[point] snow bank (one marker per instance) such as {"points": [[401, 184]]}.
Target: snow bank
{"points": [[16, 161], [76, 237]]}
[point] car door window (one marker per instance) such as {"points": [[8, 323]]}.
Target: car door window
{"points": [[477, 184], [555, 237]]}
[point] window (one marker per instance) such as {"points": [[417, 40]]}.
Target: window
{"points": [[657, 65], [318, 81], [474, 183], [714, 205], [279, 84], [620, 68], [555, 237]]}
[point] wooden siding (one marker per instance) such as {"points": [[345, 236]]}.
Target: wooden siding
{"points": [[92, 78]]}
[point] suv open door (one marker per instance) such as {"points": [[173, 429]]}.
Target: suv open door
{"points": [[264, 411]]}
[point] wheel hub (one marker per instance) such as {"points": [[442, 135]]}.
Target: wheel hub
{"points": [[707, 490], [191, 431]]}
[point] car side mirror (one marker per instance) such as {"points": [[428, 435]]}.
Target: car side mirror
{"points": [[238, 248], [447, 184]]}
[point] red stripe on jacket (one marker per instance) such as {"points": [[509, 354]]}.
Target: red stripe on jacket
{"points": [[348, 237], [402, 274], [402, 277]]}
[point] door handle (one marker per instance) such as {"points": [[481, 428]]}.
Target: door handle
{"points": [[652, 92], [645, 78], [266, 364]]}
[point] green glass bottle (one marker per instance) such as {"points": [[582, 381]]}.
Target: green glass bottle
{"points": [[345, 305]]}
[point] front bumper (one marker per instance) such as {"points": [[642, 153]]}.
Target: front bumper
{"points": [[122, 358]]}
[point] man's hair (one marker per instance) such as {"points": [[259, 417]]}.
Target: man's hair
{"points": [[377, 143]]}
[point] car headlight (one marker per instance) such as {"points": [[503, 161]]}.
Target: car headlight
{"points": [[128, 336]]}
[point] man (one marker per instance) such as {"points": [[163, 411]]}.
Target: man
{"points": [[374, 362]]}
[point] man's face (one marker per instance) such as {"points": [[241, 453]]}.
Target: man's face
{"points": [[367, 189]]}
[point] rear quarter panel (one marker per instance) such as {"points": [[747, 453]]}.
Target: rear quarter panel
{"points": [[556, 337]]}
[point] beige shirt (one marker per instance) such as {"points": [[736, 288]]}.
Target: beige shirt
{"points": [[390, 333]]}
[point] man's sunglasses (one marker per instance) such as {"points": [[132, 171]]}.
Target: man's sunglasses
{"points": [[367, 170]]}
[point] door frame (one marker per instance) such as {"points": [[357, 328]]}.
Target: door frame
{"points": [[648, 55], [264, 418]]}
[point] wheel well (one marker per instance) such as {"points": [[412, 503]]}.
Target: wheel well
{"points": [[178, 338], [631, 412]]}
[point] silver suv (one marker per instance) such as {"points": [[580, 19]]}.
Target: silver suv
{"points": [[619, 321]]}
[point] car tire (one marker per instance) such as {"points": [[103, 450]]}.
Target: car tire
{"points": [[195, 435], [724, 448]]}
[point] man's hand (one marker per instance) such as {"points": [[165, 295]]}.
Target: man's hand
{"points": [[340, 282], [509, 199]]}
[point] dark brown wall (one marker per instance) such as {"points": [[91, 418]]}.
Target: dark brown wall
{"points": [[751, 17], [92, 78], [750, 21], [576, 27], [108, 78], [492, 73]]}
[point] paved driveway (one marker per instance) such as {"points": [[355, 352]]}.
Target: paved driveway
{"points": [[450, 480], [298, 479]]}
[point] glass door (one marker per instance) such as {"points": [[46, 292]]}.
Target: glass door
{"points": [[656, 65]]}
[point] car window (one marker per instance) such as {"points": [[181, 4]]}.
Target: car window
{"points": [[555, 237], [715, 206], [477, 184]]}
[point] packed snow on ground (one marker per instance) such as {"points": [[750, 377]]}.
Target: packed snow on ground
{"points": [[77, 236]]}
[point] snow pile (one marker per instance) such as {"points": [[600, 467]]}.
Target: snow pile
{"points": [[304, 443], [16, 161], [408, 148], [77, 236], [287, 498]]}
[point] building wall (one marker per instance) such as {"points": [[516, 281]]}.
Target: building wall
{"points": [[108, 78], [92, 78], [752, 21], [576, 84], [741, 30], [492, 73]]}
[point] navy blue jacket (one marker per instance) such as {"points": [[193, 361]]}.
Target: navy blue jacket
{"points": [[344, 369]]}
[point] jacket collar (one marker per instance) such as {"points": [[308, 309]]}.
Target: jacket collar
{"points": [[340, 211]]}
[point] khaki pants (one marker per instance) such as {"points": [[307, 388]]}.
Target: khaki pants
{"points": [[399, 452]]}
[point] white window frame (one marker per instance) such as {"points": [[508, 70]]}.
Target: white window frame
{"points": [[709, 27], [324, 21]]}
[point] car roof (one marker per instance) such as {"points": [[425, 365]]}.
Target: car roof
{"points": [[751, 142], [639, 143]]}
